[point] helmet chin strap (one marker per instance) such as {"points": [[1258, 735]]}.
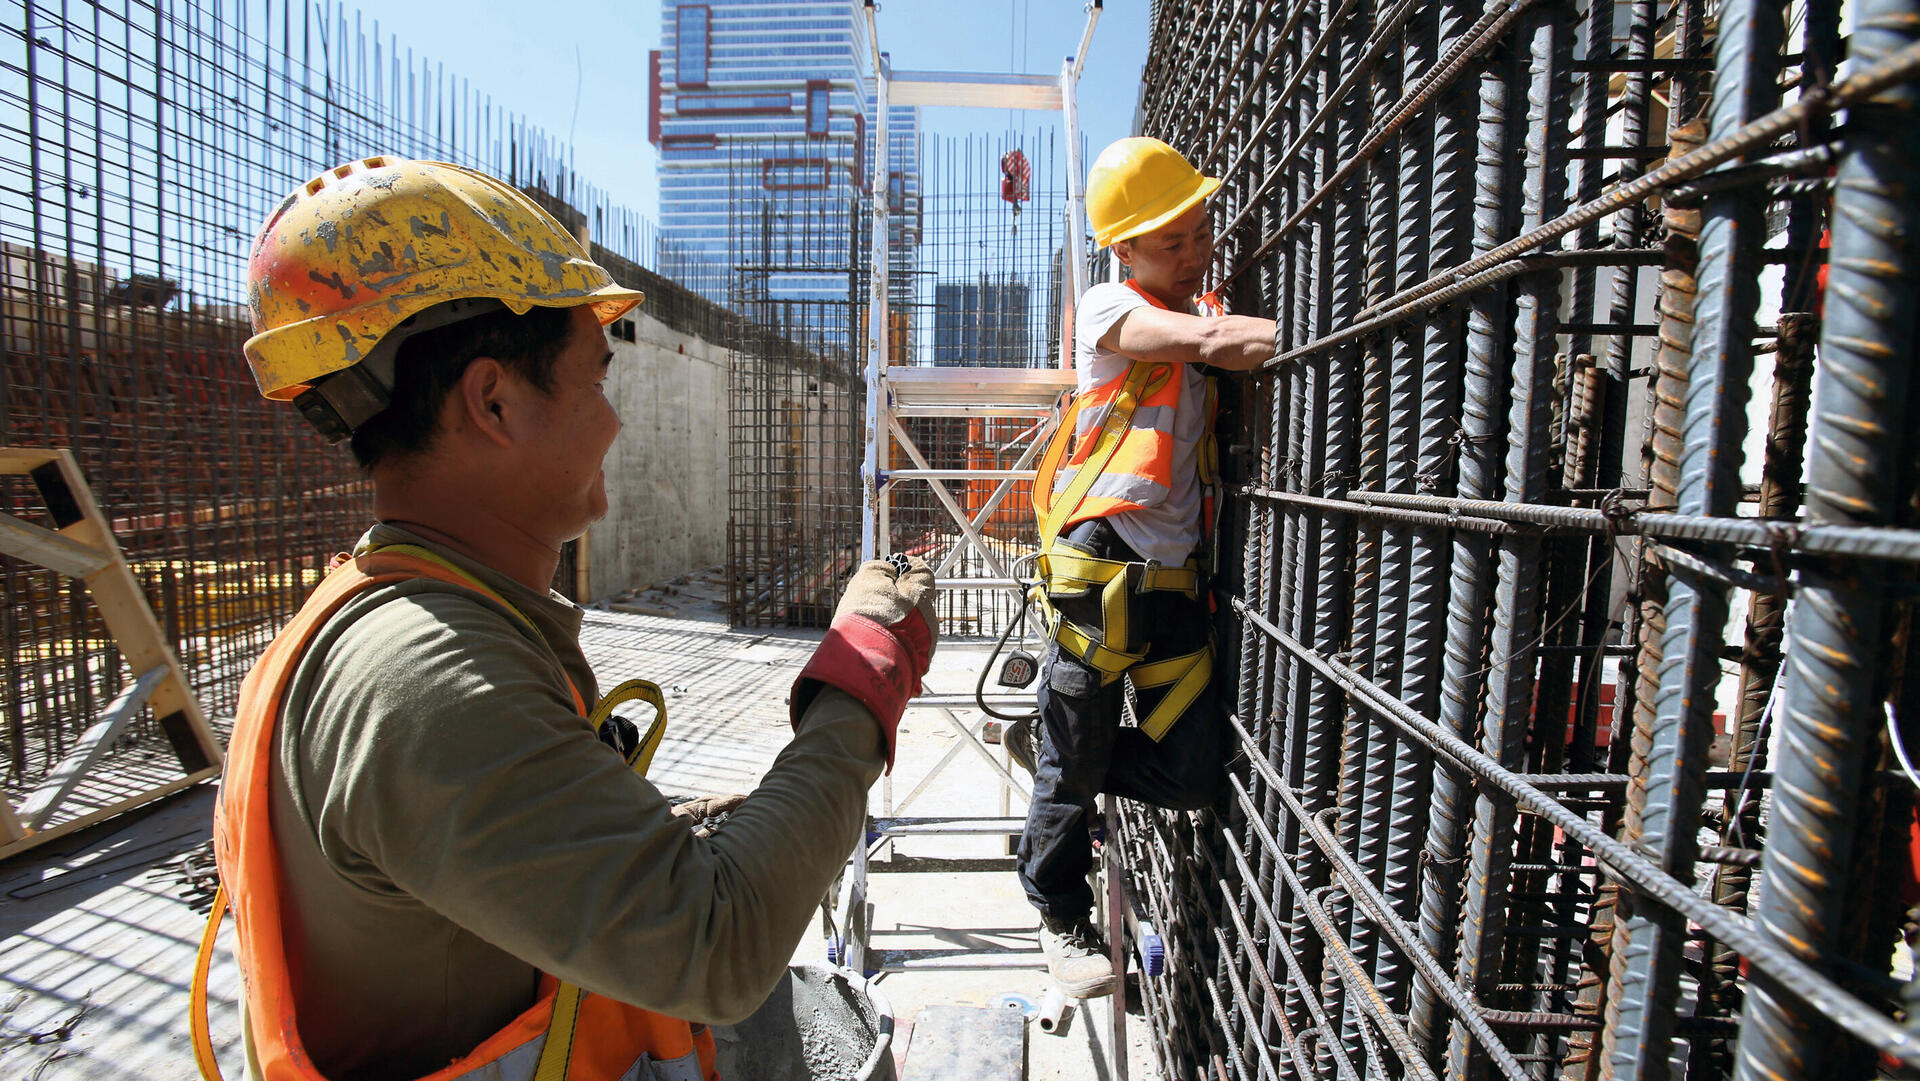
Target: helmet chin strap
{"points": [[339, 402]]}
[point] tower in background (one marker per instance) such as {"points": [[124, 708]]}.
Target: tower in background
{"points": [[764, 118]]}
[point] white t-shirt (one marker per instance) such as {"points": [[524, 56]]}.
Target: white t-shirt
{"points": [[1170, 531]]}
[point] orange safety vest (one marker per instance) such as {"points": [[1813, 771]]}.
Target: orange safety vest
{"points": [[566, 1035], [1137, 408]]}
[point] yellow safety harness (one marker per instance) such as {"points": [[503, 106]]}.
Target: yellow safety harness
{"points": [[1066, 572], [557, 1052]]}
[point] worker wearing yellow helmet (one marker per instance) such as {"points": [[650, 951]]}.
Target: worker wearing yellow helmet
{"points": [[443, 859], [1124, 515]]}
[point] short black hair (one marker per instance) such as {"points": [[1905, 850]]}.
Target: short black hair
{"points": [[431, 362]]}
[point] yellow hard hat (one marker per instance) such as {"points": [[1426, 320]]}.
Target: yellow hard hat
{"points": [[360, 250], [1139, 184]]}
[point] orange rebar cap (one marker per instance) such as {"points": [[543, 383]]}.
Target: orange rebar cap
{"points": [[1138, 185], [359, 249]]}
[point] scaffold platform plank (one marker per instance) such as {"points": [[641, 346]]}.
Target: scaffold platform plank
{"points": [[918, 390]]}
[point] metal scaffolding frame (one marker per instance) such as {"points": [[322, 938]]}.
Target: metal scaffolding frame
{"points": [[1504, 805], [900, 394]]}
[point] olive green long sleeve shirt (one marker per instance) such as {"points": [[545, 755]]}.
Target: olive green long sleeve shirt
{"points": [[449, 827]]}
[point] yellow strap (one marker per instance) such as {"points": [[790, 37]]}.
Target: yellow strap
{"points": [[1057, 444], [1067, 571], [1188, 676], [636, 690], [1116, 631], [1142, 379], [557, 1053], [1109, 662], [197, 1004]]}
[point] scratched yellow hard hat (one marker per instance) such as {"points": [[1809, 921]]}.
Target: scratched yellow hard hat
{"points": [[1138, 185], [361, 248]]}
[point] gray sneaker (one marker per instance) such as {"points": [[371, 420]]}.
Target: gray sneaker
{"points": [[1076, 957], [1017, 738]]}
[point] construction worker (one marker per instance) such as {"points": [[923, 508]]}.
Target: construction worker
{"points": [[439, 865], [1122, 524]]}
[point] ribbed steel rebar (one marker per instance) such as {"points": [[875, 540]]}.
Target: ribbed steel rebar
{"points": [[1664, 802], [1368, 760], [1334, 392], [1482, 428], [1830, 715], [1788, 972], [1759, 661], [1547, 35], [1456, 377], [1411, 598]]}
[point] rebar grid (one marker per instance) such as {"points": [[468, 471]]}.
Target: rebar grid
{"points": [[1548, 278], [796, 399], [141, 144]]}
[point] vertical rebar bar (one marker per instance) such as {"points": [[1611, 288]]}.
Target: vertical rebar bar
{"points": [[1664, 804], [1830, 716], [1547, 37], [1482, 429]]}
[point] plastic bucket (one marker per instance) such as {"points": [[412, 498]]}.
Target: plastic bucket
{"points": [[820, 1024]]}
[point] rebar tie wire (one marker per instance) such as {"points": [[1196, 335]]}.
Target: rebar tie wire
{"points": [[1771, 962]]}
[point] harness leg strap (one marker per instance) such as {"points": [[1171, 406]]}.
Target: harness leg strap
{"points": [[1185, 676]]}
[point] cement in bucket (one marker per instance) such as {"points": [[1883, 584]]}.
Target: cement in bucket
{"points": [[820, 1024]]}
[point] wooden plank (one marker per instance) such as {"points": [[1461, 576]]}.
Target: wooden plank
{"points": [[41, 837], [15, 460], [39, 806], [967, 1043], [124, 609], [54, 551], [10, 828]]}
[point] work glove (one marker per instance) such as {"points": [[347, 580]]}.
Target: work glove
{"points": [[879, 645], [704, 814]]}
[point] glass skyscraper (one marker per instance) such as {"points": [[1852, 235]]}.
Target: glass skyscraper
{"points": [[764, 117]]}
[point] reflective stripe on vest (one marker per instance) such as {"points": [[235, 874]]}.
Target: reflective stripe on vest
{"points": [[609, 1039], [1117, 487]]}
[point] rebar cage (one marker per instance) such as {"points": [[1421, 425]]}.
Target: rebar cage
{"points": [[795, 395], [141, 144], [1568, 569]]}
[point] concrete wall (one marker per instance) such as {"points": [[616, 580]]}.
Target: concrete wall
{"points": [[667, 472]]}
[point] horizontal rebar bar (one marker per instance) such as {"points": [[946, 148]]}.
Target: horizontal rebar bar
{"points": [[1899, 67], [1787, 971], [1815, 538]]}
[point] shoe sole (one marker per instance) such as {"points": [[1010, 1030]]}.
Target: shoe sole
{"points": [[1093, 987]]}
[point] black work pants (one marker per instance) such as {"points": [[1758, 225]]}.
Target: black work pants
{"points": [[1084, 751]]}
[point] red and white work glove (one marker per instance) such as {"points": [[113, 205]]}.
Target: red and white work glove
{"points": [[879, 645]]}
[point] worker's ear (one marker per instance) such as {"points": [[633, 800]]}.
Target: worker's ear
{"points": [[485, 400], [1123, 251]]}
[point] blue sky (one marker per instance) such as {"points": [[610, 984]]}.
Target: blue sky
{"points": [[530, 65]]}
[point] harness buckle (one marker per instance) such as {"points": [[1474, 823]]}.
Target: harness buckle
{"points": [[1148, 571]]}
